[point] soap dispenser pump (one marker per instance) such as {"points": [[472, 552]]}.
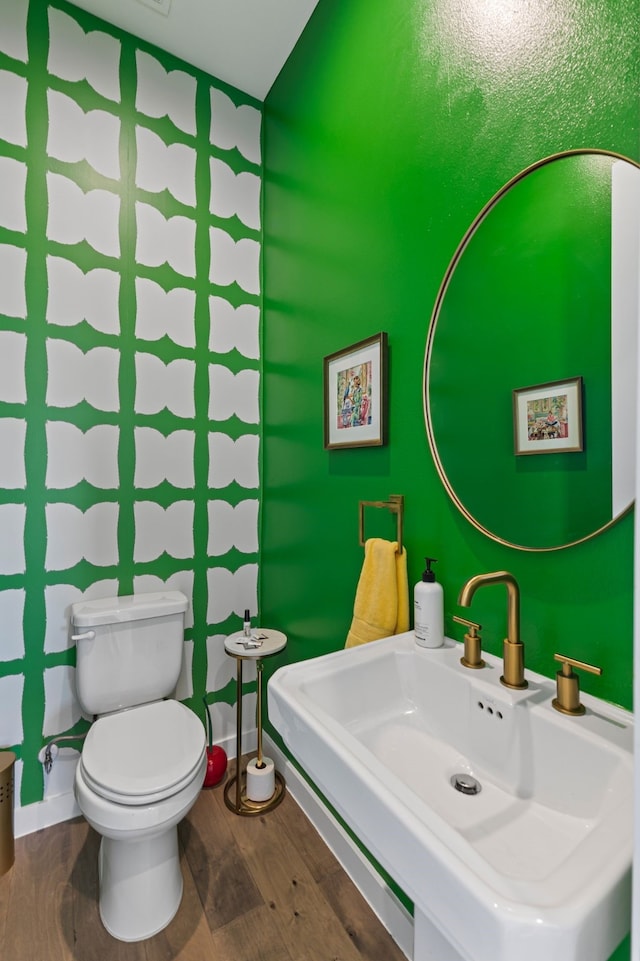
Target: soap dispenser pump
{"points": [[428, 599]]}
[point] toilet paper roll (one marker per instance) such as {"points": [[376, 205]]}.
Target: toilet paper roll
{"points": [[261, 781]]}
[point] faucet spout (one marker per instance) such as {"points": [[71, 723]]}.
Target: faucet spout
{"points": [[513, 648]]}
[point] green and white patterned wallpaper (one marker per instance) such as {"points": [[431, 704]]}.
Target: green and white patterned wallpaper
{"points": [[130, 292]]}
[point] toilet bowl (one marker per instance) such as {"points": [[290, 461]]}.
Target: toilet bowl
{"points": [[139, 774]]}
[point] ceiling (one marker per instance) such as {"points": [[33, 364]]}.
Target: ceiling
{"points": [[243, 42]]}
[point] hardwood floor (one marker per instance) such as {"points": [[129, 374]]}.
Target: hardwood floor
{"points": [[263, 888]]}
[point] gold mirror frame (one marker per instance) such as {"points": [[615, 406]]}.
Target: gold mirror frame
{"points": [[429, 350]]}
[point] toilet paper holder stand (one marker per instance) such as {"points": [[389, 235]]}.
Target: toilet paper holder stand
{"points": [[235, 792]]}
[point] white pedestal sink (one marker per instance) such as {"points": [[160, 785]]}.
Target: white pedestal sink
{"points": [[537, 865]]}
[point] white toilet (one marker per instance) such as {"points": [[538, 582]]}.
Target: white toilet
{"points": [[144, 758]]}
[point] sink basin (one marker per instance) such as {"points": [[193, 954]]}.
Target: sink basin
{"points": [[537, 864]]}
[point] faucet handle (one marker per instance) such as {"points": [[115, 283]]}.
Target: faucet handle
{"points": [[568, 685], [472, 644]]}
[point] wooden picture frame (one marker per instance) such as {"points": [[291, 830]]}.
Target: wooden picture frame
{"points": [[547, 418], [355, 395]]}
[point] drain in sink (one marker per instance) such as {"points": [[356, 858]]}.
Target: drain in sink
{"points": [[466, 784]]}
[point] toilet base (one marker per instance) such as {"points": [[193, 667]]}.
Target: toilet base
{"points": [[140, 884]]}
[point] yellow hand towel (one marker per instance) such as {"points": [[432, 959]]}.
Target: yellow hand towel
{"points": [[381, 606]]}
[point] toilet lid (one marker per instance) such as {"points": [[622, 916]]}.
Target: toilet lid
{"points": [[143, 754]]}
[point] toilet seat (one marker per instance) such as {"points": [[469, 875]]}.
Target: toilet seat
{"points": [[144, 754]]}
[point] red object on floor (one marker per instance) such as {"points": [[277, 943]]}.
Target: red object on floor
{"points": [[216, 765]]}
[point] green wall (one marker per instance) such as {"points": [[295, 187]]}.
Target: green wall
{"points": [[130, 242], [389, 128], [385, 134]]}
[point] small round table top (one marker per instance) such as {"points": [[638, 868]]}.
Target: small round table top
{"points": [[267, 642]]}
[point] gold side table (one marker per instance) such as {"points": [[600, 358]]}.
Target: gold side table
{"points": [[235, 792]]}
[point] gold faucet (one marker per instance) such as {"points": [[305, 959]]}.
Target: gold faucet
{"points": [[567, 699], [472, 656], [513, 648]]}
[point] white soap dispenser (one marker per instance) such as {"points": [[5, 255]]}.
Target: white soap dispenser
{"points": [[428, 616]]}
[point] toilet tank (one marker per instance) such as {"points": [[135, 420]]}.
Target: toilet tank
{"points": [[129, 649]]}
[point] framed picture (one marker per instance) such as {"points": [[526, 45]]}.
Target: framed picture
{"points": [[547, 418], [355, 395]]}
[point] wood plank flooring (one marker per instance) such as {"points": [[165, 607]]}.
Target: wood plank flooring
{"points": [[263, 888]]}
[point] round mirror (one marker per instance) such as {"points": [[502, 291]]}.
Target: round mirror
{"points": [[530, 371]]}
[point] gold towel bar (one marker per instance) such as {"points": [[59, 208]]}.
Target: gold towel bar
{"points": [[395, 504]]}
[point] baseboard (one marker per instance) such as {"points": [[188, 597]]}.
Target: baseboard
{"points": [[44, 814], [380, 898]]}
